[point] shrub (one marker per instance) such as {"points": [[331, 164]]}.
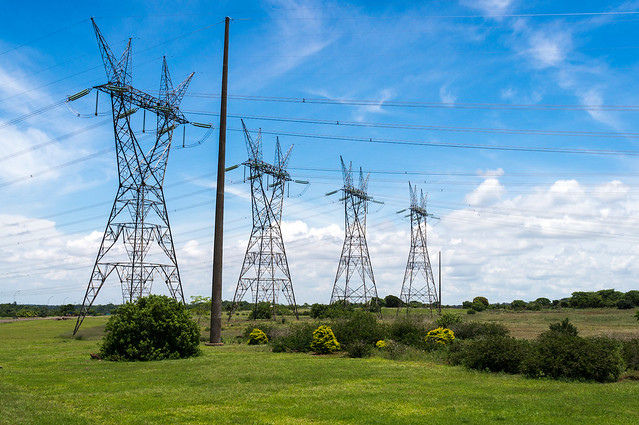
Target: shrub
{"points": [[257, 337], [324, 341], [392, 301], [566, 356], [637, 315], [518, 305], [152, 328], [268, 328], [359, 326], [25, 312], [474, 330], [625, 304], [471, 311], [381, 344], [408, 330], [564, 327], [544, 302], [440, 336], [297, 338], [447, 319], [533, 306], [359, 349], [493, 353], [482, 300], [263, 310], [631, 354]]}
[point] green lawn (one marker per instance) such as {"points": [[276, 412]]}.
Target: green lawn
{"points": [[47, 377]]}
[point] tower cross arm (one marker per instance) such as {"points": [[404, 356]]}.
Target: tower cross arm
{"points": [[145, 101]]}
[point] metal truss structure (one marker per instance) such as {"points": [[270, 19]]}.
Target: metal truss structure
{"points": [[265, 268], [418, 284], [139, 216], [355, 260]]}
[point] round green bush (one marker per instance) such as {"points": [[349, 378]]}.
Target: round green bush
{"points": [[324, 341], [152, 328]]}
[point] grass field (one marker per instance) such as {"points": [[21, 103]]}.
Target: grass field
{"points": [[47, 377]]}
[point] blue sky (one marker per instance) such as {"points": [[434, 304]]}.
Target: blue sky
{"points": [[518, 119]]}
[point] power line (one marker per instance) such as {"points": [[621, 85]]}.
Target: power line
{"points": [[415, 104], [346, 123], [582, 151]]}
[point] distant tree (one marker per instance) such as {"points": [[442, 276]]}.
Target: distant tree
{"points": [[482, 300], [263, 310], [201, 307], [610, 297], [633, 296], [533, 306], [318, 311], [544, 302], [478, 306], [518, 304], [392, 301], [375, 304], [581, 299], [467, 304], [66, 310], [625, 304]]}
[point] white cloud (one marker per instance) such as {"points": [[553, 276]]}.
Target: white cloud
{"points": [[488, 191], [490, 7], [446, 96]]}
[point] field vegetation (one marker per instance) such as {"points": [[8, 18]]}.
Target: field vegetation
{"points": [[48, 377]]}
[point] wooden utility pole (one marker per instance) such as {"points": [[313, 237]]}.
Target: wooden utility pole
{"points": [[218, 244]]}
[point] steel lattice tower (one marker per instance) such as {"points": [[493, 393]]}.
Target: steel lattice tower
{"points": [[355, 259], [418, 284], [265, 268], [139, 215]]}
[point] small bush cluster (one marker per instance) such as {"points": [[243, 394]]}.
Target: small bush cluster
{"points": [[561, 355], [474, 330], [557, 353], [408, 330], [493, 353], [152, 328], [358, 332], [257, 337], [297, 338], [630, 352], [447, 319], [324, 341]]}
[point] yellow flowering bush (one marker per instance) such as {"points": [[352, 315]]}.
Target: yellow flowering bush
{"points": [[257, 337], [441, 335], [324, 341], [381, 344]]}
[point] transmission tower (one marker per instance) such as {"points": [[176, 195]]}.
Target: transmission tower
{"points": [[355, 260], [418, 284], [265, 267], [139, 215]]}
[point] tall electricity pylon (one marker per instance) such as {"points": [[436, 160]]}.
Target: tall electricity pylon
{"points": [[355, 260], [265, 267], [418, 284], [139, 215]]}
